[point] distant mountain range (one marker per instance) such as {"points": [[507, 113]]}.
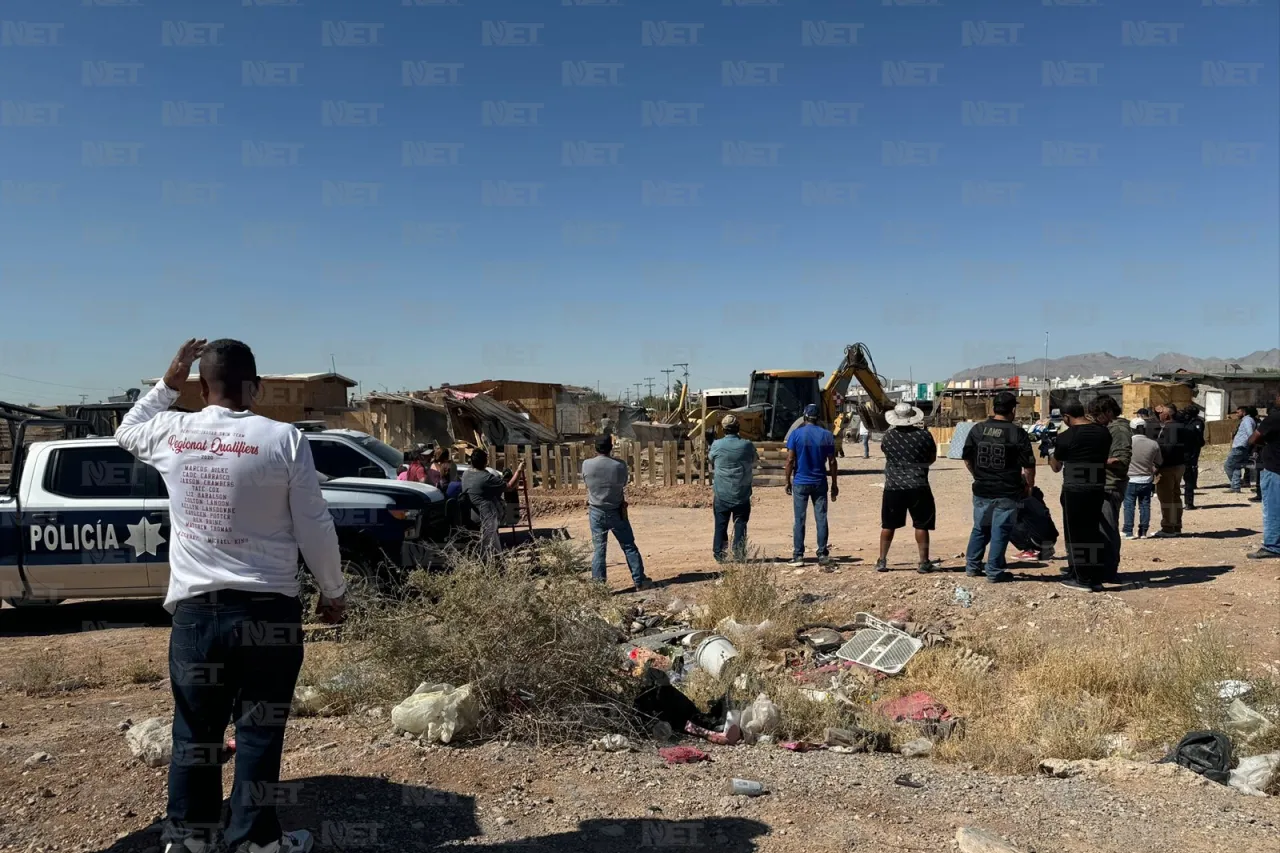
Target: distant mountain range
{"points": [[1105, 364]]}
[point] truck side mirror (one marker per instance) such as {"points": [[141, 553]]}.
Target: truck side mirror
{"points": [[372, 471]]}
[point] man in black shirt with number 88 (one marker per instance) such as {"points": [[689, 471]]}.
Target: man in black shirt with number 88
{"points": [[998, 454]]}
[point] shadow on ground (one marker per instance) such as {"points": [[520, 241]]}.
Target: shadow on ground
{"points": [[515, 538], [1234, 533], [359, 812], [78, 616]]}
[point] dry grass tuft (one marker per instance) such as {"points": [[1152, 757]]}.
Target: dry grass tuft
{"points": [[748, 593], [46, 673], [523, 628], [1063, 701], [143, 672]]}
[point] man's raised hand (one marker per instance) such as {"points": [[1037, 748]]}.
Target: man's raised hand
{"points": [[180, 367]]}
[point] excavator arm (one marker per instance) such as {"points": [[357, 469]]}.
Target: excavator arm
{"points": [[856, 364]]}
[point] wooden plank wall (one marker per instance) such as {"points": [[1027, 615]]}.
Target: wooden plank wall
{"points": [[559, 466]]}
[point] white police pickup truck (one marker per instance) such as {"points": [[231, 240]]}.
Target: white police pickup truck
{"points": [[81, 518]]}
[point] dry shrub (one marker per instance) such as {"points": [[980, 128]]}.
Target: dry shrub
{"points": [[44, 674], [748, 593], [524, 629], [1044, 700], [143, 671]]}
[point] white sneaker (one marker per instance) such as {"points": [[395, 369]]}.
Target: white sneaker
{"points": [[1160, 534], [798, 561], [1127, 536], [298, 841], [189, 845]]}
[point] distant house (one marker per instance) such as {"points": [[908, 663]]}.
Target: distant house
{"points": [[1219, 394], [288, 397]]}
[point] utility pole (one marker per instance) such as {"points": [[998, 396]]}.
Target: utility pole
{"points": [[333, 363], [649, 379], [669, 371], [684, 365], [638, 385]]}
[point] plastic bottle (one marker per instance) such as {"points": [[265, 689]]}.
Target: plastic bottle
{"points": [[745, 787]]}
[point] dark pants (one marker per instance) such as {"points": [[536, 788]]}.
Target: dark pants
{"points": [[232, 656], [1086, 545], [741, 514], [1190, 478], [1112, 507]]}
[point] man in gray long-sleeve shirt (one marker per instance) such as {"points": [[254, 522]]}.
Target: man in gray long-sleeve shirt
{"points": [[606, 480]]}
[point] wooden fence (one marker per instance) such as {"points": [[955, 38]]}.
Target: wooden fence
{"points": [[667, 463]]}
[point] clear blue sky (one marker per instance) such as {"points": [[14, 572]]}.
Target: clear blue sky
{"points": [[1122, 197]]}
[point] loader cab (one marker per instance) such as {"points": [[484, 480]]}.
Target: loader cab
{"points": [[781, 395]]}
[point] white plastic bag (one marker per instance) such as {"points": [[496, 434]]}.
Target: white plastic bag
{"points": [[437, 712], [1244, 722], [760, 717], [1252, 775]]}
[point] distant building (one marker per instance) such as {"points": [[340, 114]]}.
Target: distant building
{"points": [[288, 397]]}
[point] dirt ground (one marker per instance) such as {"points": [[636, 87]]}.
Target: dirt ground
{"points": [[359, 787]]}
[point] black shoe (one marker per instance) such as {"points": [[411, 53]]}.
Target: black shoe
{"points": [[882, 566], [1065, 571], [1263, 554], [926, 567], [1003, 577], [1072, 583]]}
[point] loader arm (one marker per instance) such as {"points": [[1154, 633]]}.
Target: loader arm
{"points": [[857, 364]]}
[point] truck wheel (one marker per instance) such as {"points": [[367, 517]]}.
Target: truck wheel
{"points": [[34, 602]]}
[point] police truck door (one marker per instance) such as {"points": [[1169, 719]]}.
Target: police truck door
{"points": [[85, 529]]}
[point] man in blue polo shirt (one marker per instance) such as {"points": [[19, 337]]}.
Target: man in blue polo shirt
{"points": [[811, 453]]}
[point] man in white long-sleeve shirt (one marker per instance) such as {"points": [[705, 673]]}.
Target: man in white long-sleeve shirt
{"points": [[244, 498]]}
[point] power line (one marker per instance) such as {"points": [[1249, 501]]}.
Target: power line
{"points": [[55, 384]]}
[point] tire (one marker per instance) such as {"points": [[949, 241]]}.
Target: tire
{"points": [[34, 603]]}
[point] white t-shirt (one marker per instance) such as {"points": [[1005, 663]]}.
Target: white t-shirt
{"points": [[244, 497]]}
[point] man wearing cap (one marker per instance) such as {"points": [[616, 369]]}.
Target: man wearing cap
{"points": [[909, 450], [733, 461], [811, 453], [606, 479]]}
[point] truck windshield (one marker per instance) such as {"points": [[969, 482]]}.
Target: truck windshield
{"points": [[385, 452]]}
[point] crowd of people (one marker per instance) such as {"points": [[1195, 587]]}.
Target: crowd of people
{"points": [[1111, 467], [236, 646]]}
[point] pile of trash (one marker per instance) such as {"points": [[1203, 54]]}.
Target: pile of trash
{"points": [[828, 663]]}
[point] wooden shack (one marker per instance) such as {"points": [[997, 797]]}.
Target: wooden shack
{"points": [[288, 397], [537, 399], [1148, 395]]}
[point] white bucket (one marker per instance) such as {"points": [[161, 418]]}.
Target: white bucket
{"points": [[713, 653]]}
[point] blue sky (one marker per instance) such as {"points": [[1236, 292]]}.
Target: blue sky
{"points": [[586, 192]]}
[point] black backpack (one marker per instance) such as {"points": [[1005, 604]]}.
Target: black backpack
{"points": [[1206, 753]]}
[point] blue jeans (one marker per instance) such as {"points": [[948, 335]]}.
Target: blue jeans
{"points": [[801, 494], [1270, 481], [1140, 494], [232, 656], [866, 446], [741, 514], [993, 520], [1237, 459], [602, 522]]}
